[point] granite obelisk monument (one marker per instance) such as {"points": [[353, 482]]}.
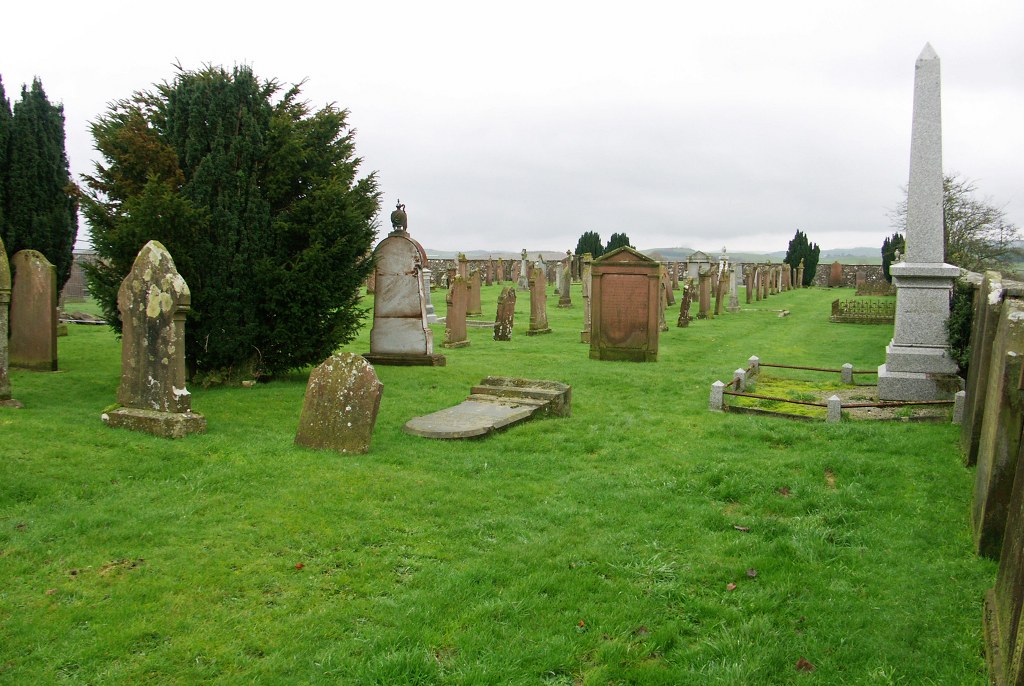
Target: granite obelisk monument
{"points": [[918, 365]]}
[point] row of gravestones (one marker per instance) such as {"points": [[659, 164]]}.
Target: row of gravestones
{"points": [[991, 426], [28, 317]]}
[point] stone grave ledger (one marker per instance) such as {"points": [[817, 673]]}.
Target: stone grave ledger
{"points": [[153, 301], [400, 334], [625, 306], [33, 313], [918, 365], [340, 408]]}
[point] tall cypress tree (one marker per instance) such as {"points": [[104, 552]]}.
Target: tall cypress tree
{"points": [[40, 210], [617, 240], [889, 247], [800, 248], [5, 148], [590, 242], [257, 199]]}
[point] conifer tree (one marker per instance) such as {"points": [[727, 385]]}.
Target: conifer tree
{"points": [[802, 249], [256, 197], [889, 247], [590, 242], [40, 207], [617, 240], [5, 146]]}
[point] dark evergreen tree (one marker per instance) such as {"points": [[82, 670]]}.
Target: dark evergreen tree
{"points": [[590, 242], [5, 146], [802, 249], [617, 240], [257, 199], [40, 207], [889, 247]]}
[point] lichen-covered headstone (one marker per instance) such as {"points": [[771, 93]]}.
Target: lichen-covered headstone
{"points": [[586, 277], [504, 319], [33, 322], [704, 297], [153, 301], [340, 407], [5, 300], [473, 306]]}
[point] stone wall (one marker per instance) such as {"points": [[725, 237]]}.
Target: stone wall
{"points": [[873, 275]]}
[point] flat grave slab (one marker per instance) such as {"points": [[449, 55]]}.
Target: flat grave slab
{"points": [[495, 403]]}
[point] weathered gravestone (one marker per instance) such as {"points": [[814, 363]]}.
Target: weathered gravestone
{"points": [[538, 302], [565, 282], [455, 335], [684, 304], [473, 305], [1000, 438], [501, 270], [33, 318], [1003, 616], [670, 297], [704, 294], [428, 277], [800, 274], [153, 301], [341, 404], [586, 279], [490, 272], [835, 275], [400, 334], [505, 317], [918, 365], [523, 275], [5, 299], [988, 300], [624, 306]]}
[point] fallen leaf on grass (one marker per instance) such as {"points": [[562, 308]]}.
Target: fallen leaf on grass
{"points": [[741, 528], [803, 665], [641, 631], [784, 491], [830, 479], [299, 565], [51, 591], [751, 572], [730, 587]]}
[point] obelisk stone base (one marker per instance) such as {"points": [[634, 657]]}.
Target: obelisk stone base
{"points": [[163, 424]]}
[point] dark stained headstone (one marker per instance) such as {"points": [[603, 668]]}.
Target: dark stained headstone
{"points": [[565, 283], [505, 317], [538, 302], [340, 407], [704, 294], [5, 300], [684, 304], [489, 281], [455, 335], [501, 270], [1000, 438], [988, 300], [835, 275], [153, 301], [750, 284], [625, 297], [33, 318], [670, 297], [1003, 617]]}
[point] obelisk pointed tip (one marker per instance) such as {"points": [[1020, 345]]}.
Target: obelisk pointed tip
{"points": [[928, 53]]}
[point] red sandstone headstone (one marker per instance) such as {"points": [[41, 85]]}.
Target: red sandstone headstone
{"points": [[835, 275], [473, 305], [625, 295], [33, 322], [5, 300], [455, 335], [538, 302]]}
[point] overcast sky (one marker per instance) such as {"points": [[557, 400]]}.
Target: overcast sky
{"points": [[512, 125]]}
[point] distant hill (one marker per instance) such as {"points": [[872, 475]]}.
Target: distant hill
{"points": [[862, 255], [484, 254]]}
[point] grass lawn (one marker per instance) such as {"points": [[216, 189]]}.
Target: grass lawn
{"points": [[644, 540]]}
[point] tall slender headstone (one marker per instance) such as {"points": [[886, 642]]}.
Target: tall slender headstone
{"points": [[5, 301], [153, 301], [523, 279], [918, 365], [33, 323], [565, 281], [704, 294], [586, 277], [474, 307], [400, 334], [538, 302], [455, 334]]}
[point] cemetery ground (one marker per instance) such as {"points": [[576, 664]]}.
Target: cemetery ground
{"points": [[642, 540]]}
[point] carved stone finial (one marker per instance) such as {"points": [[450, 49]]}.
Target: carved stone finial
{"points": [[399, 220]]}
